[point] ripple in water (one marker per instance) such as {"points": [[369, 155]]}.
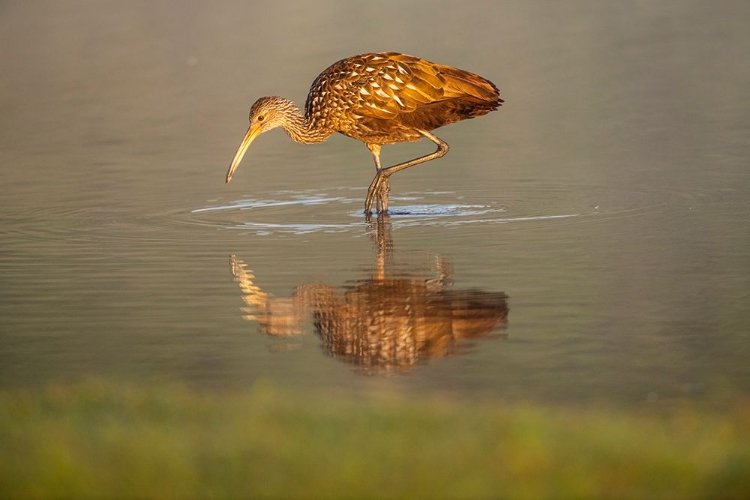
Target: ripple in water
{"points": [[339, 210], [272, 215]]}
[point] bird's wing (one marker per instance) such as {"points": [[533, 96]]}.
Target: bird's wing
{"points": [[371, 96], [387, 85]]}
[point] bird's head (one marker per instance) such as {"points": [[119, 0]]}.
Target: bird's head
{"points": [[267, 113]]}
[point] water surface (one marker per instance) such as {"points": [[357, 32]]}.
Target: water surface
{"points": [[588, 242]]}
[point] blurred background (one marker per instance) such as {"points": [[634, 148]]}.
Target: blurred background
{"points": [[587, 243], [584, 247]]}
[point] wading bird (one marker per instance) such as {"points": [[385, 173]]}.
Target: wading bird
{"points": [[379, 98]]}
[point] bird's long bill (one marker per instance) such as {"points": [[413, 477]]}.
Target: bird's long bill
{"points": [[250, 136]]}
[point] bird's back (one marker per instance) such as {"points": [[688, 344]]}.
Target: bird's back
{"points": [[382, 98]]}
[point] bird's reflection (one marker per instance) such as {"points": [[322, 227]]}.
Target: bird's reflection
{"points": [[398, 316]]}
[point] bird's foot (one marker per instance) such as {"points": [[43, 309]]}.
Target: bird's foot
{"points": [[385, 188], [379, 188]]}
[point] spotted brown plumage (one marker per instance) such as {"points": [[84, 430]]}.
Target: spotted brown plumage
{"points": [[377, 98]]}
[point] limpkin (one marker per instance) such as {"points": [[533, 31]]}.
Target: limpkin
{"points": [[378, 98]]}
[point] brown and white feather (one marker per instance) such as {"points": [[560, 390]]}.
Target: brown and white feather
{"points": [[384, 98]]}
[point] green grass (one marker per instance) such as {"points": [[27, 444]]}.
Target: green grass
{"points": [[100, 440]]}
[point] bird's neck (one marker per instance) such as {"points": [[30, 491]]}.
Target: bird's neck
{"points": [[303, 130]]}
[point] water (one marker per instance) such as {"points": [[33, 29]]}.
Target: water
{"points": [[588, 242]]}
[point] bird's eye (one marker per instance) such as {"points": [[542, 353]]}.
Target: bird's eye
{"points": [[260, 118]]}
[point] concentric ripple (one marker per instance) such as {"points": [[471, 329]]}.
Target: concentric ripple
{"points": [[291, 212], [339, 210]]}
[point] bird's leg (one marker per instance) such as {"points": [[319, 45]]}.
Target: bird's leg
{"points": [[380, 185], [442, 149]]}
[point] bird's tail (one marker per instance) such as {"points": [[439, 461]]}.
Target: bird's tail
{"points": [[463, 84]]}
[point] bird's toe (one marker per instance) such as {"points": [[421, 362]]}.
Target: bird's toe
{"points": [[383, 190]]}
